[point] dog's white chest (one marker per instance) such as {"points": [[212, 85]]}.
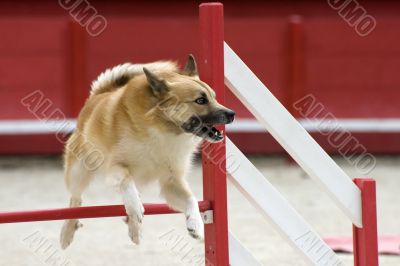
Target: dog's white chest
{"points": [[164, 155]]}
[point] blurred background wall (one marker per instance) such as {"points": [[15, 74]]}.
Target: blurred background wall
{"points": [[297, 48]]}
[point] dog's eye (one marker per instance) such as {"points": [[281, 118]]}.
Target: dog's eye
{"points": [[201, 100]]}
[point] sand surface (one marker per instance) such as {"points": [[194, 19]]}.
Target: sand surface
{"points": [[36, 182]]}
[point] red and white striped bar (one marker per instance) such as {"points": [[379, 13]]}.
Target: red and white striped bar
{"points": [[85, 212]]}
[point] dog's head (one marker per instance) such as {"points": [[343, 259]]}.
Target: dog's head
{"points": [[189, 103]]}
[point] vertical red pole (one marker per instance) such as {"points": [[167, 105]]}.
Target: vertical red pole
{"points": [[295, 68], [296, 62], [365, 239], [78, 90], [211, 67]]}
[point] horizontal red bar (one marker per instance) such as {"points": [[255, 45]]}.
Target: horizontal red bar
{"points": [[85, 212]]}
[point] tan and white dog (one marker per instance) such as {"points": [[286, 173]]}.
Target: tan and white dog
{"points": [[146, 120]]}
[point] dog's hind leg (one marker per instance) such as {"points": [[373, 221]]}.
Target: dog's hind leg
{"points": [[178, 195], [70, 226], [77, 178]]}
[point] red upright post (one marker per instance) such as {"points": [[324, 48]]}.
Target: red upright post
{"points": [[365, 239], [296, 63], [211, 66], [78, 89]]}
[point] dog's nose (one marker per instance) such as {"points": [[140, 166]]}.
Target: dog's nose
{"points": [[230, 115]]}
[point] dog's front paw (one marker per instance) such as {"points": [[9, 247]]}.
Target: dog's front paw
{"points": [[134, 229], [134, 222], [195, 226]]}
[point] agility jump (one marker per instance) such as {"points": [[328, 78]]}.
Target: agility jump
{"points": [[219, 65]]}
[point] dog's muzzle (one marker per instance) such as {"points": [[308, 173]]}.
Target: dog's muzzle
{"points": [[203, 126]]}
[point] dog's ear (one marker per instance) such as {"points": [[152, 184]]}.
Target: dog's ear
{"points": [[190, 67], [157, 85]]}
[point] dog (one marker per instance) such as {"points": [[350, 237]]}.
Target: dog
{"points": [[146, 121]]}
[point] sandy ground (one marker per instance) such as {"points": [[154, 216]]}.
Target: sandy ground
{"points": [[36, 182]]}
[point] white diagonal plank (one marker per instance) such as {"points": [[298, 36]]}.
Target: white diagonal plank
{"points": [[292, 136], [239, 255], [262, 194]]}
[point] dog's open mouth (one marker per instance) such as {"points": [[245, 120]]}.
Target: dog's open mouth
{"points": [[202, 130], [206, 126], [211, 134]]}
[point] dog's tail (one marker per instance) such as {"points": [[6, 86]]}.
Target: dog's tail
{"points": [[118, 76]]}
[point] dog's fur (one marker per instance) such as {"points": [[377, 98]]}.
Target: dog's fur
{"points": [[146, 121]]}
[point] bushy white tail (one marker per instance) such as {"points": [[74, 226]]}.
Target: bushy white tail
{"points": [[118, 76]]}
